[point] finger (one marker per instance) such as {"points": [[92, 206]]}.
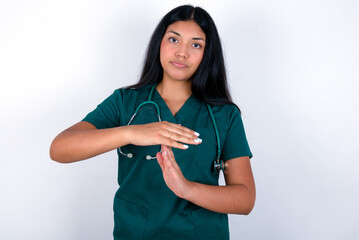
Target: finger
{"points": [[169, 165], [166, 161], [159, 160], [179, 129], [165, 156], [181, 138], [172, 143], [168, 154], [185, 132]]}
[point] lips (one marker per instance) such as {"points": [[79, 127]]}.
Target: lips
{"points": [[178, 64]]}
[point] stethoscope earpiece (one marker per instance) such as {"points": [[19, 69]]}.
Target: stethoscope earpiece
{"points": [[129, 155]]}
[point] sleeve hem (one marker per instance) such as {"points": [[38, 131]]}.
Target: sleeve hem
{"points": [[93, 123], [250, 155]]}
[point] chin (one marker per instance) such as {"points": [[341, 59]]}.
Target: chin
{"points": [[178, 74], [183, 79], [179, 77]]}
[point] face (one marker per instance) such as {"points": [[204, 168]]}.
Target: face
{"points": [[181, 51]]}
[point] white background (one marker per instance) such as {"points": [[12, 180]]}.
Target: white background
{"points": [[293, 68]]}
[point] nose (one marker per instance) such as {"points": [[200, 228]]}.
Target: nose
{"points": [[182, 51]]}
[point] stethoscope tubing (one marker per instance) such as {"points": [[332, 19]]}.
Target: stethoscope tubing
{"points": [[217, 164]]}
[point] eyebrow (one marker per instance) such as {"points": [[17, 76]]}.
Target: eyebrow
{"points": [[195, 38]]}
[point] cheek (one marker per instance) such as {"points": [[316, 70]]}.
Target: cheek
{"points": [[198, 58], [165, 47], [164, 50]]}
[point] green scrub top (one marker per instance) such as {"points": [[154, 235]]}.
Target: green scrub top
{"points": [[144, 207]]}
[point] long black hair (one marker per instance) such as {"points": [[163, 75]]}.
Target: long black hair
{"points": [[209, 82]]}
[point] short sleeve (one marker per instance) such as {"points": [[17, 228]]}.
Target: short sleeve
{"points": [[107, 114], [236, 144]]}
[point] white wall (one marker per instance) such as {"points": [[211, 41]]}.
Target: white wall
{"points": [[293, 69]]}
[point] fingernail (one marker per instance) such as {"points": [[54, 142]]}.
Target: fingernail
{"points": [[165, 153], [196, 133], [185, 146], [198, 140]]}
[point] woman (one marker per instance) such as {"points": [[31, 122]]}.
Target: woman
{"points": [[177, 196]]}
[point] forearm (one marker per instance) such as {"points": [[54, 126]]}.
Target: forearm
{"points": [[235, 199], [75, 145]]}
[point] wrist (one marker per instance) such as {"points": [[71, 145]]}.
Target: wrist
{"points": [[188, 191], [125, 134]]}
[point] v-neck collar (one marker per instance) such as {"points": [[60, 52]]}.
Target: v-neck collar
{"points": [[166, 112]]}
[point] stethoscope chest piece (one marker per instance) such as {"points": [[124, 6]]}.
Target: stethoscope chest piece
{"points": [[218, 165]]}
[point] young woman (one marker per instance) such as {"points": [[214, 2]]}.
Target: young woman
{"points": [[186, 120]]}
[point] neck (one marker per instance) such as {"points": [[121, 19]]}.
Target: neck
{"points": [[174, 90]]}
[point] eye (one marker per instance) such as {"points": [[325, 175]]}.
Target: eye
{"points": [[173, 40], [196, 45]]}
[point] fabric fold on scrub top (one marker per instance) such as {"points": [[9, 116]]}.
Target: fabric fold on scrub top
{"points": [[144, 207]]}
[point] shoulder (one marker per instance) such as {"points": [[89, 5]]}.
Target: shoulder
{"points": [[228, 107], [227, 116], [126, 92], [227, 111]]}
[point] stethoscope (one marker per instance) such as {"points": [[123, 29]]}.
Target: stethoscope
{"points": [[218, 164]]}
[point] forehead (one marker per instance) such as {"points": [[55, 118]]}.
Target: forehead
{"points": [[187, 29]]}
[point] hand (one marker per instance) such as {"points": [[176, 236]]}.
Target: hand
{"points": [[162, 133], [172, 174]]}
